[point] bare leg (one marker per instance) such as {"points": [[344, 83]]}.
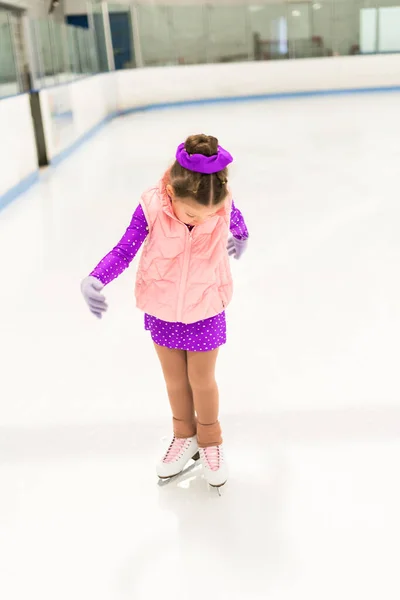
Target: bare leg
{"points": [[201, 372], [174, 366]]}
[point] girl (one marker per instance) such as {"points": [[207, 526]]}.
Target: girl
{"points": [[184, 285]]}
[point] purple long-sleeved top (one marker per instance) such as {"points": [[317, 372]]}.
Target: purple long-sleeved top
{"points": [[116, 261]]}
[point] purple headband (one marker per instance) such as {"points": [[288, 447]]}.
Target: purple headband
{"points": [[203, 164]]}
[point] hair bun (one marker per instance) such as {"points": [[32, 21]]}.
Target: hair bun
{"points": [[202, 144]]}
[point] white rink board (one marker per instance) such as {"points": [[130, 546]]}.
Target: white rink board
{"points": [[17, 144], [158, 85], [72, 110]]}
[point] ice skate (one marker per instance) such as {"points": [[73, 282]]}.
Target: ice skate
{"points": [[214, 466], [180, 451]]}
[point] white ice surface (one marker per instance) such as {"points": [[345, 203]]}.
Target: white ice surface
{"points": [[310, 394]]}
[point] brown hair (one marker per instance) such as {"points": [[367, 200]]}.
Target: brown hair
{"points": [[208, 190]]}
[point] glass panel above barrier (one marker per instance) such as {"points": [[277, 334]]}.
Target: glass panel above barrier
{"points": [[59, 53], [346, 27], [81, 44], [72, 52], [229, 34], [299, 30], [8, 72], [389, 28], [368, 30], [47, 75], [189, 29], [268, 25], [321, 18], [306, 29], [63, 53], [310, 31], [155, 31]]}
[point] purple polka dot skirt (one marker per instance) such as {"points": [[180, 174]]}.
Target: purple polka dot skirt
{"points": [[202, 336]]}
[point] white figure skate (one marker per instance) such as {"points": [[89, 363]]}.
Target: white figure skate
{"points": [[214, 466], [179, 453]]}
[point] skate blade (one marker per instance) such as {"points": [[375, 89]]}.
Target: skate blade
{"points": [[218, 488]]}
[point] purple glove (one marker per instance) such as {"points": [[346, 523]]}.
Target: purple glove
{"points": [[90, 288], [237, 247]]}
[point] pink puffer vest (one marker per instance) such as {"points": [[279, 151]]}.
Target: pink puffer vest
{"points": [[183, 276]]}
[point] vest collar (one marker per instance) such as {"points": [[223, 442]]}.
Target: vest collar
{"points": [[165, 199]]}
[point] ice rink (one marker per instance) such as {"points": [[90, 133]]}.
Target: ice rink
{"points": [[309, 379]]}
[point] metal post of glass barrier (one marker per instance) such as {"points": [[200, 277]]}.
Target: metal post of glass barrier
{"points": [[107, 36], [377, 36], [95, 63], [137, 46]]}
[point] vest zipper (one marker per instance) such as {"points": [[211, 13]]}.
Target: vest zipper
{"points": [[185, 270]]}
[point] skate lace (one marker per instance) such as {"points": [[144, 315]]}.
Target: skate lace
{"points": [[175, 449], [213, 457]]}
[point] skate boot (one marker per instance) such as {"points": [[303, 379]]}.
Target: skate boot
{"points": [[180, 451], [214, 465]]}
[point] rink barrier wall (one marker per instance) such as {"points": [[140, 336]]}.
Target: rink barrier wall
{"points": [[18, 158], [261, 97], [166, 86], [74, 112]]}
